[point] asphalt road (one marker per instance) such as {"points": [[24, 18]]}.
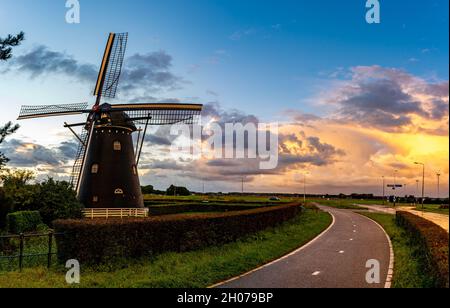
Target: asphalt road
{"points": [[335, 260]]}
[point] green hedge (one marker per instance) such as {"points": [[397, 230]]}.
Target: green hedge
{"points": [[435, 243], [100, 241], [21, 222]]}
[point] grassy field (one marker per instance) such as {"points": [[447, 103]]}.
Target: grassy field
{"points": [[431, 208], [344, 204], [409, 270], [195, 269], [225, 198]]}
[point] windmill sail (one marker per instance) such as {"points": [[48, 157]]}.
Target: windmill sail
{"points": [[160, 114], [109, 75], [32, 112], [78, 165]]}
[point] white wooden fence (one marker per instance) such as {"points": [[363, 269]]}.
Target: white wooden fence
{"points": [[115, 213]]}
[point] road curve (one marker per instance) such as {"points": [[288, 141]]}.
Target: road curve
{"points": [[337, 259]]}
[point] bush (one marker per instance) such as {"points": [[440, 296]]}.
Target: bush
{"points": [[100, 241], [21, 222], [435, 242], [57, 200]]}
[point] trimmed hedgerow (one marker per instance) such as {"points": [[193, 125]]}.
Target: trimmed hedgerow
{"points": [[21, 222], [101, 241], [435, 243]]}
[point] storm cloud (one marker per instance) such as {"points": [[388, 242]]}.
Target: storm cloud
{"points": [[141, 73], [388, 99], [26, 154]]}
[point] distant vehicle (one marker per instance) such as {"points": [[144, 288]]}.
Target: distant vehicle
{"points": [[274, 199]]}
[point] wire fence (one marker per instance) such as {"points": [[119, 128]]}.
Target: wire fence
{"points": [[27, 250]]}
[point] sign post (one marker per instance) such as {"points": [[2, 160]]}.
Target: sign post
{"points": [[394, 187]]}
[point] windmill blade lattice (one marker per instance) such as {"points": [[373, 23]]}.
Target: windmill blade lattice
{"points": [[161, 114], [32, 112], [78, 165], [114, 69]]}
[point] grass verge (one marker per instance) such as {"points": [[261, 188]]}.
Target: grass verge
{"points": [[432, 209], [197, 269], [409, 267], [342, 204]]}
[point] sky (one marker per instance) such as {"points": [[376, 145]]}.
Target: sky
{"points": [[355, 101]]}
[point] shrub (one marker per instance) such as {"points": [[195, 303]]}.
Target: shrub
{"points": [[57, 200], [21, 222], [100, 241], [435, 242]]}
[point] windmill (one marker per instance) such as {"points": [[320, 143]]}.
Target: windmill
{"points": [[105, 173]]}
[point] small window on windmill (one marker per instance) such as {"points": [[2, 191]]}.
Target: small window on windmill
{"points": [[95, 199], [118, 191], [117, 146], [94, 169]]}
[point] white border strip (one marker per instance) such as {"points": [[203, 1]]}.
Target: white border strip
{"points": [[390, 275], [280, 259]]}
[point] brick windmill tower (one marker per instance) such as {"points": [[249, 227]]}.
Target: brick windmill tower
{"points": [[105, 173]]}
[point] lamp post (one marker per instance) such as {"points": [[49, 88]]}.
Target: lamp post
{"points": [[417, 190], [304, 187], [395, 187], [423, 181], [438, 185], [405, 191], [384, 192]]}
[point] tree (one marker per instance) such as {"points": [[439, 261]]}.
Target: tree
{"points": [[7, 43], [16, 193], [5, 131], [177, 191], [19, 195], [147, 190]]}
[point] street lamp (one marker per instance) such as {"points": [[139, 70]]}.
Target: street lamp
{"points": [[438, 185], [384, 192], [417, 191], [304, 187], [423, 181], [395, 187]]}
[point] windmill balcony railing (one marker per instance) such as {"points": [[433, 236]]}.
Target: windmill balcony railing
{"points": [[115, 213]]}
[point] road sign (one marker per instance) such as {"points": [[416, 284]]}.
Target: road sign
{"points": [[395, 186]]}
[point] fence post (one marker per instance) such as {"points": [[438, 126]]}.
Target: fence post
{"points": [[50, 244], [21, 251]]}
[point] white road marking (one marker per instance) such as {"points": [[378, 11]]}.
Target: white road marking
{"points": [[351, 239], [341, 252], [316, 273]]}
